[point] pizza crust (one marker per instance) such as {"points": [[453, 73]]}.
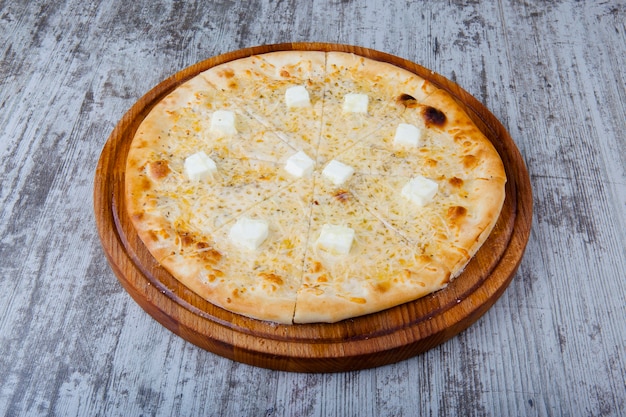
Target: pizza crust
{"points": [[400, 251], [332, 305]]}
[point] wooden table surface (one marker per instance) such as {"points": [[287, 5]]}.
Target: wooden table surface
{"points": [[73, 342]]}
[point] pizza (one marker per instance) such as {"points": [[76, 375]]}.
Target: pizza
{"points": [[305, 187]]}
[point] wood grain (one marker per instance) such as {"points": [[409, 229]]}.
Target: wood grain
{"points": [[363, 342]]}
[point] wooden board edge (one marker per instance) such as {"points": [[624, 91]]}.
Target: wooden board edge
{"points": [[262, 358]]}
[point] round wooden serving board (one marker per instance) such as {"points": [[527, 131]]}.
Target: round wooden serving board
{"points": [[364, 342]]}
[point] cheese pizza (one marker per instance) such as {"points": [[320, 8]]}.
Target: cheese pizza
{"points": [[305, 186]]}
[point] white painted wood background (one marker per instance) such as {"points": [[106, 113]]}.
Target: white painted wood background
{"points": [[72, 341]]}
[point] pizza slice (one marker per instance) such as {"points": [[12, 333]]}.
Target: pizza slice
{"points": [[282, 91], [444, 217], [361, 98], [237, 186], [408, 144], [255, 265], [199, 117], [355, 263], [460, 144]]}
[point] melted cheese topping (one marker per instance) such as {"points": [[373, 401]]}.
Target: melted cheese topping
{"points": [[395, 241]]}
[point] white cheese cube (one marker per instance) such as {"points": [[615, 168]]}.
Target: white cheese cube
{"points": [[199, 166], [249, 233], [337, 172], [420, 190], [407, 135], [355, 103], [297, 96], [299, 165], [336, 239], [223, 122]]}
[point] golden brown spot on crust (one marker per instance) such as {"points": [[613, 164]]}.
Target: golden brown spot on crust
{"points": [[186, 239], [213, 275], [342, 195], [455, 182], [358, 300], [233, 85], [216, 273], [271, 277], [456, 212], [459, 136], [434, 117], [313, 288], [322, 278], [431, 162], [382, 286], [470, 161], [236, 293], [316, 267], [227, 73], [423, 258], [132, 163], [138, 216], [267, 176], [407, 100], [285, 73], [207, 253], [145, 184]]}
